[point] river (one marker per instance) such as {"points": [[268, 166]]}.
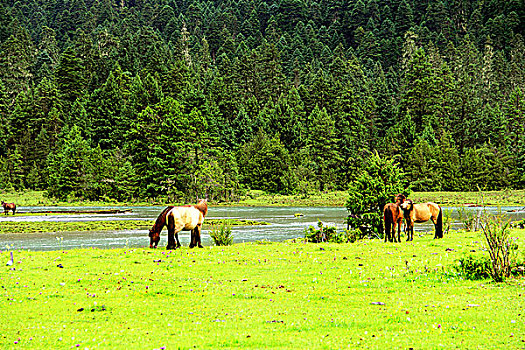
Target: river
{"points": [[284, 224]]}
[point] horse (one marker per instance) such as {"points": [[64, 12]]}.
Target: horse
{"points": [[422, 212], [8, 206], [393, 215], [183, 218]]}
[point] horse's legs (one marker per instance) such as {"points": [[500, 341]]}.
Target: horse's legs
{"points": [[398, 232], [192, 238], [173, 232], [198, 235], [177, 239], [435, 222], [387, 217]]}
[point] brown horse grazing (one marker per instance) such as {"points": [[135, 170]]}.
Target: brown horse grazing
{"points": [[393, 215], [8, 206], [422, 212], [187, 218]]}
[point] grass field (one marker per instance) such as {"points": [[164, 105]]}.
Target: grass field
{"points": [[282, 295]]}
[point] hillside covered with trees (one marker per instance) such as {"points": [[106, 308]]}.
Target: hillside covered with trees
{"points": [[142, 99]]}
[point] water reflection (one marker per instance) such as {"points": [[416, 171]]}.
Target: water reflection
{"points": [[284, 225]]}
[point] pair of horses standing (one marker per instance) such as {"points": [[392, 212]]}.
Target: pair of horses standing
{"points": [[8, 206], [183, 218], [403, 208]]}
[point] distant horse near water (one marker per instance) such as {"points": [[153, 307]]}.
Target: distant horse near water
{"points": [[183, 218], [393, 215], [8, 206], [422, 212]]}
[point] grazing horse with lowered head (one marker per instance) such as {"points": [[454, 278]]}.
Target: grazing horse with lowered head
{"points": [[8, 206], [183, 218], [422, 212], [393, 215]]}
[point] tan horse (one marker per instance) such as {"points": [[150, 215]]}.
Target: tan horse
{"points": [[184, 218], [393, 215], [422, 212]]}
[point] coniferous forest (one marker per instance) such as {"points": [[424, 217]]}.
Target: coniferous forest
{"points": [[136, 99]]}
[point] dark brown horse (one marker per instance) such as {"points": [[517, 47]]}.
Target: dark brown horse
{"points": [[422, 212], [393, 215], [8, 206], [187, 218]]}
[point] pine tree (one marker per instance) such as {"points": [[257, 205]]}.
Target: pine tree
{"points": [[447, 164], [16, 60], [264, 164], [106, 110], [321, 143], [421, 92], [69, 77], [69, 167]]}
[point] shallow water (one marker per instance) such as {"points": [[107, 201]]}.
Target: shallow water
{"points": [[283, 225]]}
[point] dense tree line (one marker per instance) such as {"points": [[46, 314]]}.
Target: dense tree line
{"points": [[140, 99]]}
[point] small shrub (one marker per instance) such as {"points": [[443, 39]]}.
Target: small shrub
{"points": [[500, 246], [222, 233], [263, 242], [330, 234], [467, 218], [447, 220], [474, 267], [323, 234], [518, 224], [354, 235], [316, 236]]}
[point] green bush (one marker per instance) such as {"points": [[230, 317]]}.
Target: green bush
{"points": [[330, 234], [376, 185], [467, 218], [222, 233], [354, 235], [447, 220], [474, 267], [518, 224], [502, 248]]}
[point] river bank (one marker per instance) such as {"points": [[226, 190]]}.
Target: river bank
{"points": [[259, 198], [100, 225]]}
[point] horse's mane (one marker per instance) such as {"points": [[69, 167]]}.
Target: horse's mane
{"points": [[161, 220]]}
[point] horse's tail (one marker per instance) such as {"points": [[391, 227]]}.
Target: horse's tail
{"points": [[439, 225]]}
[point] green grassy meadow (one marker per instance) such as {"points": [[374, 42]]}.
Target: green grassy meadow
{"points": [[369, 294]]}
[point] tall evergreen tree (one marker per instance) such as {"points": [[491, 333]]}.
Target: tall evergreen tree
{"points": [[68, 74], [322, 149]]}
